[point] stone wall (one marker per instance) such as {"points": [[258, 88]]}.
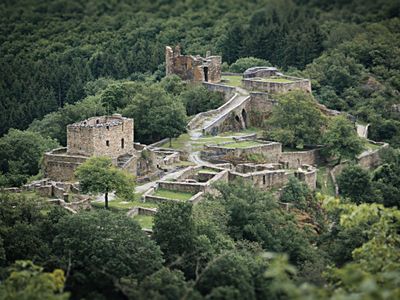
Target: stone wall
{"points": [[270, 150], [228, 91], [277, 87], [296, 159], [184, 187], [263, 180], [192, 68], [308, 175], [59, 166], [259, 108]]}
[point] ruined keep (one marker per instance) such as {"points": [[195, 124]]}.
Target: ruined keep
{"points": [[192, 68], [110, 136], [101, 136]]}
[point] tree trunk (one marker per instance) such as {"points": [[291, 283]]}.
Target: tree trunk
{"points": [[106, 200], [170, 142]]}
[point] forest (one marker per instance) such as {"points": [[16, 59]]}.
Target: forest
{"points": [[64, 61]]}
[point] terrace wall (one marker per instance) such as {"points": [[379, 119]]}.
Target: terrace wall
{"points": [[272, 149]]}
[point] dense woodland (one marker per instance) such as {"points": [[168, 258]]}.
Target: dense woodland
{"points": [[64, 61]]}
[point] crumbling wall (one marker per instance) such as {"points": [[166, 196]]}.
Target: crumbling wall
{"points": [[192, 68], [61, 167]]}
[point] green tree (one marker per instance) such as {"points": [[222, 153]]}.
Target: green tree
{"points": [[295, 121], [244, 63], [198, 99], [21, 153], [157, 115], [28, 281], [174, 230], [341, 140], [355, 182], [114, 247], [98, 175]]}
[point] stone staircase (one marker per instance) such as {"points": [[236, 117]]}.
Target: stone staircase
{"points": [[123, 159]]}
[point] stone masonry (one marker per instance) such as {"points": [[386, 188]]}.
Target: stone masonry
{"points": [[192, 68], [101, 136]]}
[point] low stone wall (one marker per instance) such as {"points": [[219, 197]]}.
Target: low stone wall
{"points": [[184, 187], [277, 87], [141, 211], [263, 180], [271, 149], [59, 166], [197, 198], [367, 160], [227, 90], [308, 175], [296, 159]]}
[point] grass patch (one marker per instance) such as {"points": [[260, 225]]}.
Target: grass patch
{"points": [[232, 80], [208, 171], [123, 205], [324, 182], [144, 221], [243, 144], [178, 143], [183, 196], [371, 146]]}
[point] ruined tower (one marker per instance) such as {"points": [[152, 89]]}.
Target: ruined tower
{"points": [[192, 68]]}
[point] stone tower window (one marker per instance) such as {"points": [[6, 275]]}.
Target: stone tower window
{"points": [[122, 143], [107, 143], [108, 127], [97, 121]]}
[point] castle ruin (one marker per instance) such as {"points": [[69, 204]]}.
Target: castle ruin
{"points": [[192, 68]]}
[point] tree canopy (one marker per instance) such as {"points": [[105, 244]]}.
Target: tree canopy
{"points": [[98, 175], [295, 121]]}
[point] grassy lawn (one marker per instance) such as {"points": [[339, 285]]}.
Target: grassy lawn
{"points": [[144, 221], [232, 80], [243, 144], [182, 142], [246, 131], [122, 205], [173, 194], [324, 181]]}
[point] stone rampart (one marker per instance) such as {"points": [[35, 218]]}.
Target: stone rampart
{"points": [[277, 87]]}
